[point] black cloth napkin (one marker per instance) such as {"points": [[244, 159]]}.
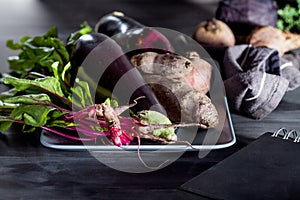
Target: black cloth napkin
{"points": [[256, 78], [252, 79]]}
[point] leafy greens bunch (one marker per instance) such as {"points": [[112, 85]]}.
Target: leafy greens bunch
{"points": [[40, 88], [289, 18]]}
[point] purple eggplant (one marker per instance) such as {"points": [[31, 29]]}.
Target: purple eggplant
{"points": [[116, 23], [132, 35], [105, 63]]}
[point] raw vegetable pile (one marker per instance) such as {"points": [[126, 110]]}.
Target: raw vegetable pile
{"points": [[44, 94]]}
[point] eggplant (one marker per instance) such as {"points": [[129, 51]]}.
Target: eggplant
{"points": [[105, 63], [116, 23], [132, 35]]}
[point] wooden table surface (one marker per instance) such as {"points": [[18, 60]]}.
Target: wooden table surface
{"points": [[29, 170]]}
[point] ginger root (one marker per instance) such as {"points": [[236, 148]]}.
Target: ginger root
{"points": [[271, 37]]}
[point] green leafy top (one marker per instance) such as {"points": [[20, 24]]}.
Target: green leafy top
{"points": [[84, 29], [289, 18], [40, 76], [40, 102], [38, 53]]}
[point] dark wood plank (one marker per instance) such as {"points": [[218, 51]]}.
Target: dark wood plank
{"points": [[31, 171]]}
